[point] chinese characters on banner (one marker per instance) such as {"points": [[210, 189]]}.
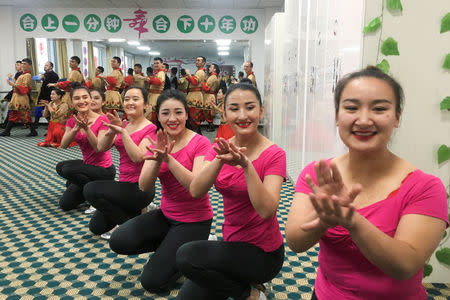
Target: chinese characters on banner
{"points": [[140, 22]]}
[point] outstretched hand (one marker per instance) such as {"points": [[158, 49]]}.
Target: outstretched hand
{"points": [[161, 147], [82, 121], [114, 118], [332, 201], [231, 154]]}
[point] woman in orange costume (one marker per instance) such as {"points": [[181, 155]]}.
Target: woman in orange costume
{"points": [[224, 130], [59, 113]]}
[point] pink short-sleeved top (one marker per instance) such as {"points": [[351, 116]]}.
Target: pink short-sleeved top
{"points": [[176, 202], [242, 222], [344, 272], [128, 170], [90, 157]]}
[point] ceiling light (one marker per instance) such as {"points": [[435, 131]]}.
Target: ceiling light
{"points": [[223, 42], [143, 48], [224, 53], [223, 48], [154, 53], [114, 40], [133, 43]]}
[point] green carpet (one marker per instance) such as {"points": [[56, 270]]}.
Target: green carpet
{"points": [[46, 253]]}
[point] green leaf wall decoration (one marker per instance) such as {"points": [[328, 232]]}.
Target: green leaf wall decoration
{"points": [[445, 23], [373, 25], [443, 256], [390, 47], [394, 5], [445, 104], [443, 154], [446, 64], [427, 270], [384, 66]]}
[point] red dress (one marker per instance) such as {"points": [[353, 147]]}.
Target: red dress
{"points": [[56, 126]]}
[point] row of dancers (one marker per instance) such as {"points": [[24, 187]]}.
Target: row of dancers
{"points": [[376, 217]]}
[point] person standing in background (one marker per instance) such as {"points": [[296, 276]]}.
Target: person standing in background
{"points": [[195, 94], [114, 81], [9, 95], [248, 68], [75, 76], [173, 78], [167, 84], [210, 88], [156, 87], [138, 77], [183, 83], [44, 94]]}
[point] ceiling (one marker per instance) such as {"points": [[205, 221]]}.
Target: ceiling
{"points": [[191, 48], [178, 4]]}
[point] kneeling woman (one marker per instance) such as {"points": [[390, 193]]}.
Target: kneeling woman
{"points": [[177, 156], [376, 216], [117, 202], [83, 129], [248, 170], [59, 113]]}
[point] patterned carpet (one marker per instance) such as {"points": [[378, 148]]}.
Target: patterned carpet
{"points": [[46, 253]]}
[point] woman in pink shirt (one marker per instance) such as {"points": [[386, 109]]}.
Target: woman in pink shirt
{"points": [[96, 165], [248, 170], [177, 156], [376, 217], [117, 202]]}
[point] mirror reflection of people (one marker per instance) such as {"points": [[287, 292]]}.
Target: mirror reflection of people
{"points": [[8, 96], [210, 87], [376, 216], [248, 170], [248, 68], [44, 94], [19, 106], [58, 112], [195, 94]]}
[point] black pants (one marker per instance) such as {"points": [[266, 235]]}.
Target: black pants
{"points": [[154, 232], [218, 270], [115, 201], [78, 175], [314, 297]]}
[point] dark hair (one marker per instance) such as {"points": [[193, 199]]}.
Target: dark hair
{"points": [[59, 92], [243, 87], [158, 58], [76, 58], [246, 81], [143, 91], [130, 71], [167, 66], [203, 58], [18, 62], [28, 61], [150, 70], [119, 61], [370, 71], [51, 64], [183, 72], [241, 74], [101, 69], [216, 68], [101, 93], [138, 65], [176, 95], [173, 70], [78, 86], [251, 64]]}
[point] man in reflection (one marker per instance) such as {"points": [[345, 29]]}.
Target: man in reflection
{"points": [[114, 82], [167, 83], [98, 82], [195, 94], [210, 88], [19, 107], [248, 68], [156, 86], [9, 95], [44, 94], [138, 77], [75, 75]]}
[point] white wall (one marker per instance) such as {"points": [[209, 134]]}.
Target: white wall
{"points": [[422, 48], [8, 55]]}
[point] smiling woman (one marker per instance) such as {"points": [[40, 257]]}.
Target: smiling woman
{"points": [[376, 216]]}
